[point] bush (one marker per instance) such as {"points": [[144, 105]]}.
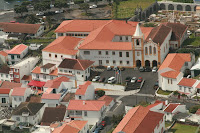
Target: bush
{"points": [[78, 1], [193, 109], [100, 93]]}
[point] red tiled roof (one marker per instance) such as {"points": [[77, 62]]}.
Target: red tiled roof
{"points": [[10, 85], [198, 112], [37, 70], [3, 53], [66, 128], [170, 74], [18, 49], [82, 88], [153, 105], [4, 91], [19, 27], [171, 107], [63, 45], [51, 96], [55, 83], [187, 82], [139, 120], [157, 101], [36, 83], [78, 124], [198, 86], [27, 77], [175, 61], [107, 99], [76, 64], [19, 91], [90, 105]]}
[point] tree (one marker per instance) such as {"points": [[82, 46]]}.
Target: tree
{"points": [[49, 21], [184, 96], [20, 9], [61, 4], [176, 93], [100, 93], [26, 3], [32, 19], [116, 119], [42, 6], [193, 109], [85, 7]]}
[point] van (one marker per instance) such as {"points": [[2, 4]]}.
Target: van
{"points": [[111, 80]]}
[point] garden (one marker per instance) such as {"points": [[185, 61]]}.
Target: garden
{"points": [[183, 128]]}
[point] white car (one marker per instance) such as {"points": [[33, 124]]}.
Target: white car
{"points": [[111, 80], [59, 11], [154, 70], [39, 14], [93, 6], [109, 68], [96, 78], [133, 80]]}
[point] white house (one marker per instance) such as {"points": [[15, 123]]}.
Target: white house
{"points": [[85, 92], [17, 53], [187, 86], [75, 69], [19, 95], [109, 101], [91, 110], [30, 113], [62, 47], [141, 120], [5, 96], [23, 67], [4, 73], [172, 69], [45, 72], [51, 99], [173, 108]]}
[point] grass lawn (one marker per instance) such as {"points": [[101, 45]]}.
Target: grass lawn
{"points": [[167, 124], [45, 42], [126, 9], [51, 34], [181, 128], [160, 91], [194, 41]]}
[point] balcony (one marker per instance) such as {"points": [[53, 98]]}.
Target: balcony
{"points": [[10, 72]]}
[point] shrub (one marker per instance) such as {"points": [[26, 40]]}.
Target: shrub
{"points": [[193, 109], [100, 93], [78, 1]]}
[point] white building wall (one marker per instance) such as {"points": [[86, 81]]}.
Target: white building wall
{"points": [[5, 77], [160, 128], [3, 59], [42, 77], [50, 102], [7, 98], [40, 31], [89, 94], [16, 100]]}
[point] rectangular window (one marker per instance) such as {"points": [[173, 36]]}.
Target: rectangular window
{"points": [[127, 62], [146, 51], [55, 55], [17, 118], [6, 75], [3, 100], [106, 52], [168, 81], [180, 87], [1, 75], [99, 52], [114, 61], [37, 76], [186, 63], [61, 70], [79, 97], [18, 56], [171, 81], [107, 61], [113, 53], [127, 38], [85, 113], [120, 54], [121, 62], [44, 70], [12, 56], [49, 55], [120, 38], [86, 52], [20, 99], [78, 73], [51, 77], [44, 76], [127, 54], [65, 71]]}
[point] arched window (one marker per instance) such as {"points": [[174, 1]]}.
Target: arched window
{"points": [[146, 51], [154, 50], [137, 42], [150, 50]]}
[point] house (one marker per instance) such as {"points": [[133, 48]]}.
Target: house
{"points": [[26, 79], [45, 72], [195, 71], [33, 30], [51, 99], [85, 92], [91, 110], [3, 57], [172, 70], [36, 85], [30, 113], [141, 120], [62, 47], [4, 73], [23, 67], [172, 109], [74, 126], [9, 85], [17, 53], [19, 95], [75, 69], [53, 114], [5, 97], [187, 86], [109, 101]]}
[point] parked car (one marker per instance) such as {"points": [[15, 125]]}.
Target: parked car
{"points": [[109, 68], [93, 6], [147, 69], [115, 68], [96, 78], [97, 130], [103, 123], [128, 79], [102, 79], [141, 69], [40, 14], [139, 80], [59, 11], [121, 68], [133, 80], [111, 80], [154, 70]]}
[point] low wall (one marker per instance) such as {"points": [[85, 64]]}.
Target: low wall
{"points": [[160, 95], [108, 86], [122, 93]]}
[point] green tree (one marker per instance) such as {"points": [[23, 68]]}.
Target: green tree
{"points": [[100, 93], [176, 93], [20, 10], [49, 21], [116, 119], [32, 19], [184, 96], [85, 7], [42, 6], [193, 109], [61, 4], [26, 3]]}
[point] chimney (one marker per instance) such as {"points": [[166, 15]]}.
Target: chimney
{"points": [[83, 102]]}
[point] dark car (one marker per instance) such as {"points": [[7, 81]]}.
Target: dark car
{"points": [[128, 79], [102, 79], [139, 80], [147, 69], [141, 69]]}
